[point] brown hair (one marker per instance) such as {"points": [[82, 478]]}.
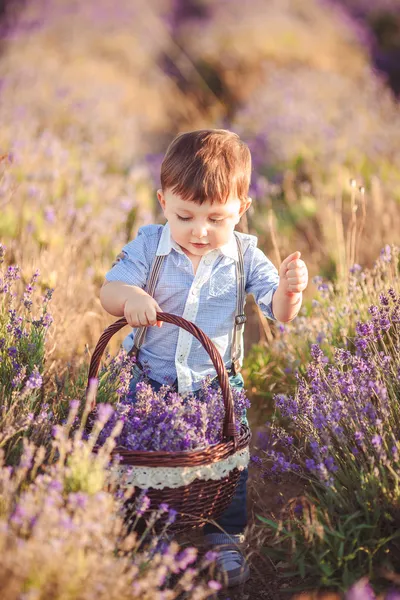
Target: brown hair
{"points": [[208, 164]]}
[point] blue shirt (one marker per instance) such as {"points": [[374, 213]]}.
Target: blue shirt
{"points": [[207, 298]]}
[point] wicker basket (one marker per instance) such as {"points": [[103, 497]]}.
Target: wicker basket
{"points": [[204, 497]]}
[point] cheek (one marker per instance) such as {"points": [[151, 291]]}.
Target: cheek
{"points": [[227, 229]]}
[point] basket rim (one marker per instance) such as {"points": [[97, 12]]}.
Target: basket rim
{"points": [[209, 454]]}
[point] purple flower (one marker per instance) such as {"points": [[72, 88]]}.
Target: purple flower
{"points": [[211, 556], [56, 485], [49, 214], [311, 464], [361, 591], [298, 509], [186, 557], [355, 268], [142, 503], [330, 464], [214, 585], [386, 254], [104, 412], [35, 380], [171, 516], [164, 420], [79, 499], [376, 441]]}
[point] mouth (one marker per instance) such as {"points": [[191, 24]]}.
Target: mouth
{"points": [[199, 245]]}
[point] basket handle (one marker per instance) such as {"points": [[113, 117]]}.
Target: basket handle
{"points": [[229, 428]]}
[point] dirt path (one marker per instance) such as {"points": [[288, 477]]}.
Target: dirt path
{"points": [[265, 498]]}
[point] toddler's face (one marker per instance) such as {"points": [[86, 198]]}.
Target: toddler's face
{"points": [[200, 228]]}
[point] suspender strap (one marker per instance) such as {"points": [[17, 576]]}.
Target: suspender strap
{"points": [[141, 331], [240, 317]]}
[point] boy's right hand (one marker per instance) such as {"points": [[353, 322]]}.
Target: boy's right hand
{"points": [[140, 310]]}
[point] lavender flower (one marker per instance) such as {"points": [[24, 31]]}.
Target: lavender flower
{"points": [[214, 585], [361, 591], [164, 420], [171, 516], [142, 504], [35, 380]]}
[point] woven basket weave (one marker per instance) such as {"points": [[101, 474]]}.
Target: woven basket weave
{"points": [[202, 499]]}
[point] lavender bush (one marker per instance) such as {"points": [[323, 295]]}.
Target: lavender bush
{"points": [[342, 435], [54, 544], [167, 421], [329, 320], [24, 323], [22, 336]]}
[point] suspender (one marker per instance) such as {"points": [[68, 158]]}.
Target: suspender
{"points": [[240, 317]]}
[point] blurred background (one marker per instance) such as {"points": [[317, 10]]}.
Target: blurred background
{"points": [[91, 94]]}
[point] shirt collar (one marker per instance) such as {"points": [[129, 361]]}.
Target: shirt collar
{"points": [[166, 244]]}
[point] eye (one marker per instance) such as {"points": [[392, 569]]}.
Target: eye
{"points": [[183, 218], [216, 220]]}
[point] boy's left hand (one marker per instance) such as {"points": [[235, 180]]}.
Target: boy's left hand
{"points": [[293, 274]]}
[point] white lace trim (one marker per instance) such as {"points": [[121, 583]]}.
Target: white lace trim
{"points": [[174, 477]]}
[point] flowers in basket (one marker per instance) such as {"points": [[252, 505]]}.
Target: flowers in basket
{"points": [[167, 421]]}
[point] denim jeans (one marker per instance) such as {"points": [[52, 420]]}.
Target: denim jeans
{"points": [[234, 518]]}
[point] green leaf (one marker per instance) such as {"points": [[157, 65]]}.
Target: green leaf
{"points": [[272, 524], [326, 569], [341, 550]]}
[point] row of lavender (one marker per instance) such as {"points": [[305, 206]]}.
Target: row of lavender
{"points": [[339, 433], [53, 487]]}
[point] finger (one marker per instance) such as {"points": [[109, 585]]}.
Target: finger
{"points": [[142, 320], [297, 264], [297, 288], [296, 269], [130, 320], [295, 273], [296, 280], [151, 317], [158, 309]]}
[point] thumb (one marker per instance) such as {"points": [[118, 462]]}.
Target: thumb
{"points": [[158, 309], [293, 256]]}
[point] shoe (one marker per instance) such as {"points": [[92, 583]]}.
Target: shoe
{"points": [[230, 561]]}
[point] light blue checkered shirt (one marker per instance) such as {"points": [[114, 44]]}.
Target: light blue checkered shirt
{"points": [[207, 298]]}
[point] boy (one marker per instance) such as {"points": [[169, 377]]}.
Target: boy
{"points": [[205, 177]]}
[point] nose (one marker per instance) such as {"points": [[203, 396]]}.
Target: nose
{"points": [[199, 231]]}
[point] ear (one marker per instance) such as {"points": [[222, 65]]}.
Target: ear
{"points": [[161, 199], [245, 206]]}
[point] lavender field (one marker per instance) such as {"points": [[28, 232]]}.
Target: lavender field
{"points": [[91, 94]]}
